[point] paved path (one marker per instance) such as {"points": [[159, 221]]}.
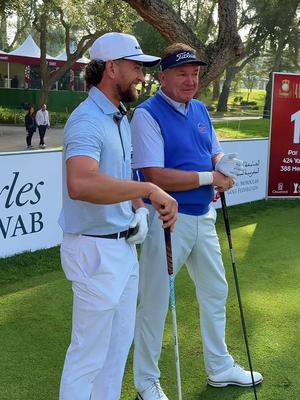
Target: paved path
{"points": [[12, 138]]}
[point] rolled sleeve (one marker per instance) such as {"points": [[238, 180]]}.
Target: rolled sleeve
{"points": [[83, 138]]}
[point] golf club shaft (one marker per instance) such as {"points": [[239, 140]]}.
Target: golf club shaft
{"points": [[227, 227], [173, 306]]}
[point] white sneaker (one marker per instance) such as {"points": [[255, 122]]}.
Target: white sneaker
{"points": [[154, 392], [234, 376], [42, 146]]}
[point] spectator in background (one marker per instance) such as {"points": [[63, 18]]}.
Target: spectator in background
{"points": [[42, 121], [30, 126], [14, 82]]}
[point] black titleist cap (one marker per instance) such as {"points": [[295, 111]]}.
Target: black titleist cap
{"points": [[180, 58]]}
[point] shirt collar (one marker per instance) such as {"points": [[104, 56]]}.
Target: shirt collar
{"points": [[180, 107], [99, 98]]}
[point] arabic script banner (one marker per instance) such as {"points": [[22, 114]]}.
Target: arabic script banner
{"points": [[30, 196], [250, 186], [284, 155]]}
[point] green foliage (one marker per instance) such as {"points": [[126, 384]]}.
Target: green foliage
{"points": [[149, 38], [238, 99], [248, 103], [16, 116], [199, 16], [235, 97], [9, 116]]}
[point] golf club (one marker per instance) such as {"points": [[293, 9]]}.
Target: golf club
{"points": [[227, 226], [173, 306]]}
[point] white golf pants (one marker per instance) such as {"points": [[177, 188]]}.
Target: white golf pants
{"points": [[104, 275], [194, 243]]}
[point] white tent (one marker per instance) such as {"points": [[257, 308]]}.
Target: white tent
{"points": [[63, 57], [19, 62], [29, 49]]}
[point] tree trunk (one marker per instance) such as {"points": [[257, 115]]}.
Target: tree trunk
{"points": [[282, 40], [50, 77], [227, 49], [223, 99], [44, 94], [3, 31], [268, 99], [44, 66], [216, 89]]}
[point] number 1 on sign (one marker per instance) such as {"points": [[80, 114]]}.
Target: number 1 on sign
{"points": [[296, 118]]}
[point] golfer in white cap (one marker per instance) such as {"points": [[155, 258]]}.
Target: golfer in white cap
{"points": [[100, 229]]}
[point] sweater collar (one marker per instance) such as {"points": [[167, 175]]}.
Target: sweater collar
{"points": [[180, 107]]}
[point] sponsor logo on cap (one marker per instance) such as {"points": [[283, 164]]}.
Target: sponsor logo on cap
{"points": [[184, 55]]}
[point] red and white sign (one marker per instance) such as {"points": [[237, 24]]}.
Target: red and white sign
{"points": [[284, 155]]}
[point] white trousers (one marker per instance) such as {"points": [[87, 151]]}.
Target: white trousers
{"points": [[194, 243], [104, 275]]}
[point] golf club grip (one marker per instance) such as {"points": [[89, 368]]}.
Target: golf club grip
{"points": [[226, 217], [169, 250]]}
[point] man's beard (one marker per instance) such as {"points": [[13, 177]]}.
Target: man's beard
{"points": [[127, 95]]}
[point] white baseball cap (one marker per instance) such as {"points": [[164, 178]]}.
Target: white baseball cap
{"points": [[114, 45]]}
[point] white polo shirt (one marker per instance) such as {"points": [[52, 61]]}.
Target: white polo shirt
{"points": [[91, 131]]}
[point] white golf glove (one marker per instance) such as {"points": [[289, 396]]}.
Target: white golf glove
{"points": [[230, 166], [140, 221]]}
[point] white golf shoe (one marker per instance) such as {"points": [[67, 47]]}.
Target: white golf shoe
{"points": [[153, 392], [236, 375]]}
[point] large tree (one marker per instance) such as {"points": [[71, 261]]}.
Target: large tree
{"points": [[226, 49], [15, 16], [284, 37], [75, 17], [255, 36], [79, 21]]}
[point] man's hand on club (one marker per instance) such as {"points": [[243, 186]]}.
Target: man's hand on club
{"points": [[229, 165], [221, 182], [166, 206], [140, 220]]}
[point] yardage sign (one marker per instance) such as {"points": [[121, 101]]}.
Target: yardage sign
{"points": [[284, 156]]}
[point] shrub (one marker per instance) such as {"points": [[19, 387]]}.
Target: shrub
{"points": [[8, 116], [248, 103], [17, 116], [238, 99]]}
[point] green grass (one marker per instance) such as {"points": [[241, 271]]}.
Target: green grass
{"points": [[242, 129], [233, 109], [35, 314]]}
